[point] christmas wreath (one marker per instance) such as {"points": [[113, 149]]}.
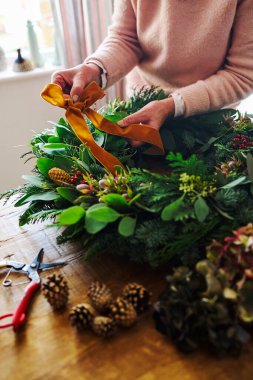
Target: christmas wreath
{"points": [[93, 185], [203, 192]]}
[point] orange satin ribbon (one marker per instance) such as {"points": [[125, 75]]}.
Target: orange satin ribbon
{"points": [[53, 94]]}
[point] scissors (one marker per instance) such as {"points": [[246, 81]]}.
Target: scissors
{"points": [[31, 270]]}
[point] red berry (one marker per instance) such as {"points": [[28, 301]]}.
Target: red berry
{"points": [[79, 172]]}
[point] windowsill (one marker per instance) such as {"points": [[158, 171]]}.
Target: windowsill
{"points": [[8, 75]]}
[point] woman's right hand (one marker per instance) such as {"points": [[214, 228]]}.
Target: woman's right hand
{"points": [[72, 81]]}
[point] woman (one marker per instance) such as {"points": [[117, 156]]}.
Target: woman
{"points": [[199, 51]]}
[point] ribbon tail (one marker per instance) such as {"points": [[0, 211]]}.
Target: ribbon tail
{"points": [[80, 128], [144, 133]]}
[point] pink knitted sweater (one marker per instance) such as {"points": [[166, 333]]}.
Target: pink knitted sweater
{"points": [[201, 49]]}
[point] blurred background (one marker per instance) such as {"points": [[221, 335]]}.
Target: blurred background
{"points": [[52, 34]]}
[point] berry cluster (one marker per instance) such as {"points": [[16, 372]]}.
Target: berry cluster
{"points": [[76, 177], [241, 142]]}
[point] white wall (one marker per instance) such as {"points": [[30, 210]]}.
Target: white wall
{"points": [[22, 111]]}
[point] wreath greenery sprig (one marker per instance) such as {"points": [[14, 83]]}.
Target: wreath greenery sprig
{"points": [[205, 191]]}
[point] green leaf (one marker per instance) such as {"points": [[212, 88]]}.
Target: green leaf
{"points": [[63, 130], [68, 193], [86, 156], [221, 178], [71, 215], [82, 166], [236, 182], [201, 209], [63, 162], [33, 179], [99, 138], [250, 165], [44, 164], [53, 139], [55, 146], [103, 213], [117, 201], [45, 196], [170, 211], [93, 225], [210, 142], [117, 116], [127, 226], [119, 169]]}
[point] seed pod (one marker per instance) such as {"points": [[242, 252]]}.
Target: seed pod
{"points": [[100, 296], [137, 295], [59, 176], [123, 312], [81, 316], [104, 326], [55, 290]]}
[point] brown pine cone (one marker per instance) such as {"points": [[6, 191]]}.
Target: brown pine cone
{"points": [[123, 312], [59, 176], [104, 326], [56, 291], [82, 315], [137, 295], [100, 296]]}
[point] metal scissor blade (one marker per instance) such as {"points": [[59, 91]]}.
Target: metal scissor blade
{"points": [[38, 259], [16, 265], [51, 265]]}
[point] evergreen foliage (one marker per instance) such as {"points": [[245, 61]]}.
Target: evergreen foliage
{"points": [[206, 189]]}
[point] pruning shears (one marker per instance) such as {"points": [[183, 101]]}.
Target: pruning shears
{"points": [[31, 270]]}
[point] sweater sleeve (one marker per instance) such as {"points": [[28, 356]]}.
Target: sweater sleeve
{"points": [[120, 51], [234, 81]]}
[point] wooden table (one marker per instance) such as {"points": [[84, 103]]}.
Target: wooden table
{"points": [[50, 348]]}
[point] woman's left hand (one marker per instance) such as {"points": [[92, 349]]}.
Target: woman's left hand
{"points": [[155, 113]]}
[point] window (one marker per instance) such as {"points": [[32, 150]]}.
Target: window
{"points": [[14, 15]]}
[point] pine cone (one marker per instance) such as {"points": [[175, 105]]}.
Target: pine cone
{"points": [[56, 291], [100, 296], [59, 176], [137, 295], [82, 315], [104, 326], [123, 312]]}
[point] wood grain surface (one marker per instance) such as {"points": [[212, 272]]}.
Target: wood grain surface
{"points": [[48, 347]]}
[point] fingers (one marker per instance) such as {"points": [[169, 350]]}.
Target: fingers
{"points": [[79, 82], [71, 82], [135, 118], [136, 144], [74, 80], [63, 80]]}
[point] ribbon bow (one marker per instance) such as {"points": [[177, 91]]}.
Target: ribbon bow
{"points": [[53, 94]]}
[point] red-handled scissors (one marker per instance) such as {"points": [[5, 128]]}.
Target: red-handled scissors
{"points": [[31, 270]]}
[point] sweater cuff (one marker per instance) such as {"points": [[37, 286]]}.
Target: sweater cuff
{"points": [[179, 104], [113, 74], [101, 66], [196, 98]]}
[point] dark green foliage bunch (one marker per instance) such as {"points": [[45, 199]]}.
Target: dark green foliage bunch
{"points": [[205, 193], [198, 308]]}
